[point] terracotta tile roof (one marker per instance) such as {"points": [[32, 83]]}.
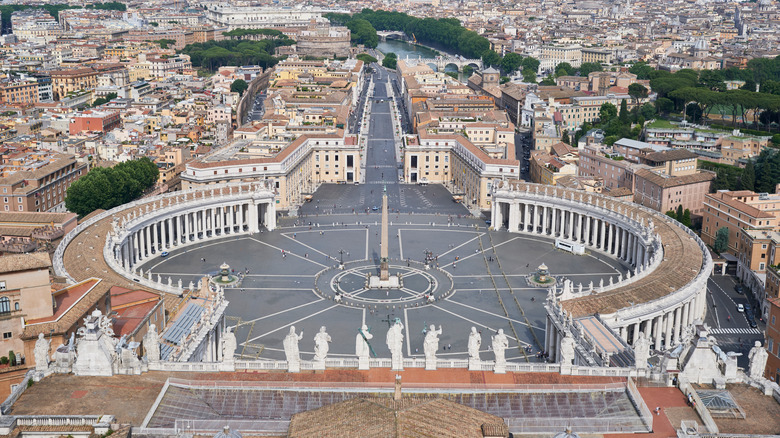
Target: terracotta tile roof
{"points": [[482, 155], [65, 300], [36, 218], [728, 199], [670, 155], [24, 262], [674, 181]]}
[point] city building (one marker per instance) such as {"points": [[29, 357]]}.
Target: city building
{"points": [[39, 183], [736, 211]]}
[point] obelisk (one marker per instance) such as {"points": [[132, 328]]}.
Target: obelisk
{"points": [[384, 273]]}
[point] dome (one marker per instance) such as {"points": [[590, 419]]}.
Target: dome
{"points": [[567, 434], [227, 433]]}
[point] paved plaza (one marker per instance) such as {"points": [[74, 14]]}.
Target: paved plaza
{"points": [[476, 277]]}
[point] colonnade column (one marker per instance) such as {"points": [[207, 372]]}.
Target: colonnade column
{"points": [[544, 220], [668, 327], [554, 224], [514, 219], [657, 331], [526, 219], [571, 225]]}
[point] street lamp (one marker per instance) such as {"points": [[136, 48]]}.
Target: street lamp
{"points": [[341, 254]]}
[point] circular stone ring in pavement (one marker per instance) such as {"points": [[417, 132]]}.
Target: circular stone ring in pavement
{"points": [[418, 285]]}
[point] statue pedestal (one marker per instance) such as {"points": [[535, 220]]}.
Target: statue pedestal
{"points": [[430, 364], [293, 366], [397, 364], [392, 282], [475, 364], [318, 365], [363, 363], [500, 368]]}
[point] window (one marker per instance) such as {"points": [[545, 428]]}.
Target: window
{"points": [[5, 305], [16, 306], [2, 285], [8, 335]]}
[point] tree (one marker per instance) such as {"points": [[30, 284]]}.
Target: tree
{"points": [[748, 179], [693, 112], [589, 67], [564, 69], [103, 100], [106, 188], [390, 60], [721, 240], [491, 58], [362, 32], [641, 70], [686, 218], [366, 58], [239, 86], [467, 71], [624, 116], [712, 79], [164, 43], [529, 75], [664, 105], [672, 214], [565, 137], [530, 63], [607, 112], [637, 91], [511, 62], [549, 80], [647, 111]]}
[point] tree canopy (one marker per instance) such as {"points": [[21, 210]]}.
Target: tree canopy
{"points": [[107, 187], [366, 58], [214, 54], [239, 86], [390, 60]]}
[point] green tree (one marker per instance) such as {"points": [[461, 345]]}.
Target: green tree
{"points": [[366, 58], [748, 179], [589, 67], [679, 214], [565, 137], [106, 188], [239, 86], [637, 91], [642, 70], [511, 62], [721, 240], [362, 32], [664, 105], [164, 43], [672, 214], [624, 116], [467, 71], [686, 218], [564, 69], [549, 80], [491, 58], [647, 111], [712, 79], [531, 63], [529, 75], [607, 112], [103, 100], [390, 60]]}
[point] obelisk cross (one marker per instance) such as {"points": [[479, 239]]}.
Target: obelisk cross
{"points": [[384, 273]]}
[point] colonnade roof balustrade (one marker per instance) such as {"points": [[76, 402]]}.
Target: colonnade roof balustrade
{"points": [[81, 253], [684, 255]]}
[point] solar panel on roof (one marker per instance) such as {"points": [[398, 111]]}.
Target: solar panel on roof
{"points": [[182, 326]]}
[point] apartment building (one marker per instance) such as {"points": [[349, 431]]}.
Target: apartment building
{"points": [[738, 210], [69, 81], [772, 370], [40, 184], [454, 160], [296, 167], [94, 121]]}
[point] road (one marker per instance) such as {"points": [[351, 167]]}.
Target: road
{"points": [[731, 327]]}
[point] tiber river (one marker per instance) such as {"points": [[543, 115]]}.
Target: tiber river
{"points": [[402, 49]]}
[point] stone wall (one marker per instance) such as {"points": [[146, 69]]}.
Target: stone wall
{"points": [[323, 46], [245, 104]]}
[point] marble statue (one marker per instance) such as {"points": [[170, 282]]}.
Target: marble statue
{"points": [[500, 343], [475, 341], [321, 347], [362, 349], [641, 351], [395, 342], [567, 349], [152, 344], [229, 345], [291, 351], [41, 353], [431, 346], [757, 357]]}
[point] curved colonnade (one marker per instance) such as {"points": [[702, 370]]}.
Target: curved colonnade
{"points": [[127, 236], [665, 290]]}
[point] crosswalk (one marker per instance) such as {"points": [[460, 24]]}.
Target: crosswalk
{"points": [[735, 331]]}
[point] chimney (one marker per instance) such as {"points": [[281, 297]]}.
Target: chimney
{"points": [[397, 394]]}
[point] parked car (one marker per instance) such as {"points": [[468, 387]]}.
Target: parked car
{"points": [[739, 289], [164, 254], [740, 308]]}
